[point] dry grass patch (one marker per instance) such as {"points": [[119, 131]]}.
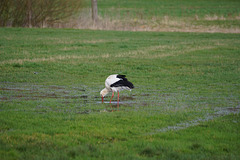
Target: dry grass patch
{"points": [[155, 23]]}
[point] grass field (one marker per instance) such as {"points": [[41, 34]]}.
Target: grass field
{"points": [[162, 15], [185, 104]]}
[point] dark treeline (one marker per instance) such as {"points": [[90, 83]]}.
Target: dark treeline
{"points": [[37, 13]]}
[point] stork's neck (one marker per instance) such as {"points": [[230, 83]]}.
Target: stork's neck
{"points": [[104, 92]]}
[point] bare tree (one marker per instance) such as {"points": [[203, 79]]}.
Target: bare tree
{"points": [[29, 8], [5, 6], [94, 11], [35, 13]]}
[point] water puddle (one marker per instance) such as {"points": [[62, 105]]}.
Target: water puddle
{"points": [[85, 100], [24, 92], [115, 102], [82, 96]]}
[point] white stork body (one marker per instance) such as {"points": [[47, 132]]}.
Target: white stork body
{"points": [[115, 83]]}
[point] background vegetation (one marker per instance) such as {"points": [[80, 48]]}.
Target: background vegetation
{"points": [[133, 15], [37, 13], [163, 15]]}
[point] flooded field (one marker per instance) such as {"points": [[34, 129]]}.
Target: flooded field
{"points": [[86, 100]]}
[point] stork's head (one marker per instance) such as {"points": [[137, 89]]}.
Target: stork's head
{"points": [[103, 93]]}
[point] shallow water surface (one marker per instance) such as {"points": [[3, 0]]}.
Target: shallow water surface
{"points": [[85, 100]]}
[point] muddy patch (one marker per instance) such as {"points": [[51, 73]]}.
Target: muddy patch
{"points": [[24, 92], [127, 98]]}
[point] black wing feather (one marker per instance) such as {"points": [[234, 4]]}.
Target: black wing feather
{"points": [[123, 77], [122, 83]]}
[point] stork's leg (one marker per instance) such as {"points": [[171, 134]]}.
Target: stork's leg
{"points": [[118, 98], [112, 97], [118, 101]]}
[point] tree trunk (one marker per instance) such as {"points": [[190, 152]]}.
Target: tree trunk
{"points": [[29, 14], [94, 11]]}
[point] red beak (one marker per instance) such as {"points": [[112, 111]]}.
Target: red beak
{"points": [[102, 99]]}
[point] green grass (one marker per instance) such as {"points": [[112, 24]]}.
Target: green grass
{"points": [[162, 15], [50, 107], [175, 8]]}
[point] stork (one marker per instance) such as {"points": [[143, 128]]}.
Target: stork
{"points": [[115, 83]]}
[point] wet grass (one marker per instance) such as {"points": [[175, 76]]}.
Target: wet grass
{"points": [[185, 104]]}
